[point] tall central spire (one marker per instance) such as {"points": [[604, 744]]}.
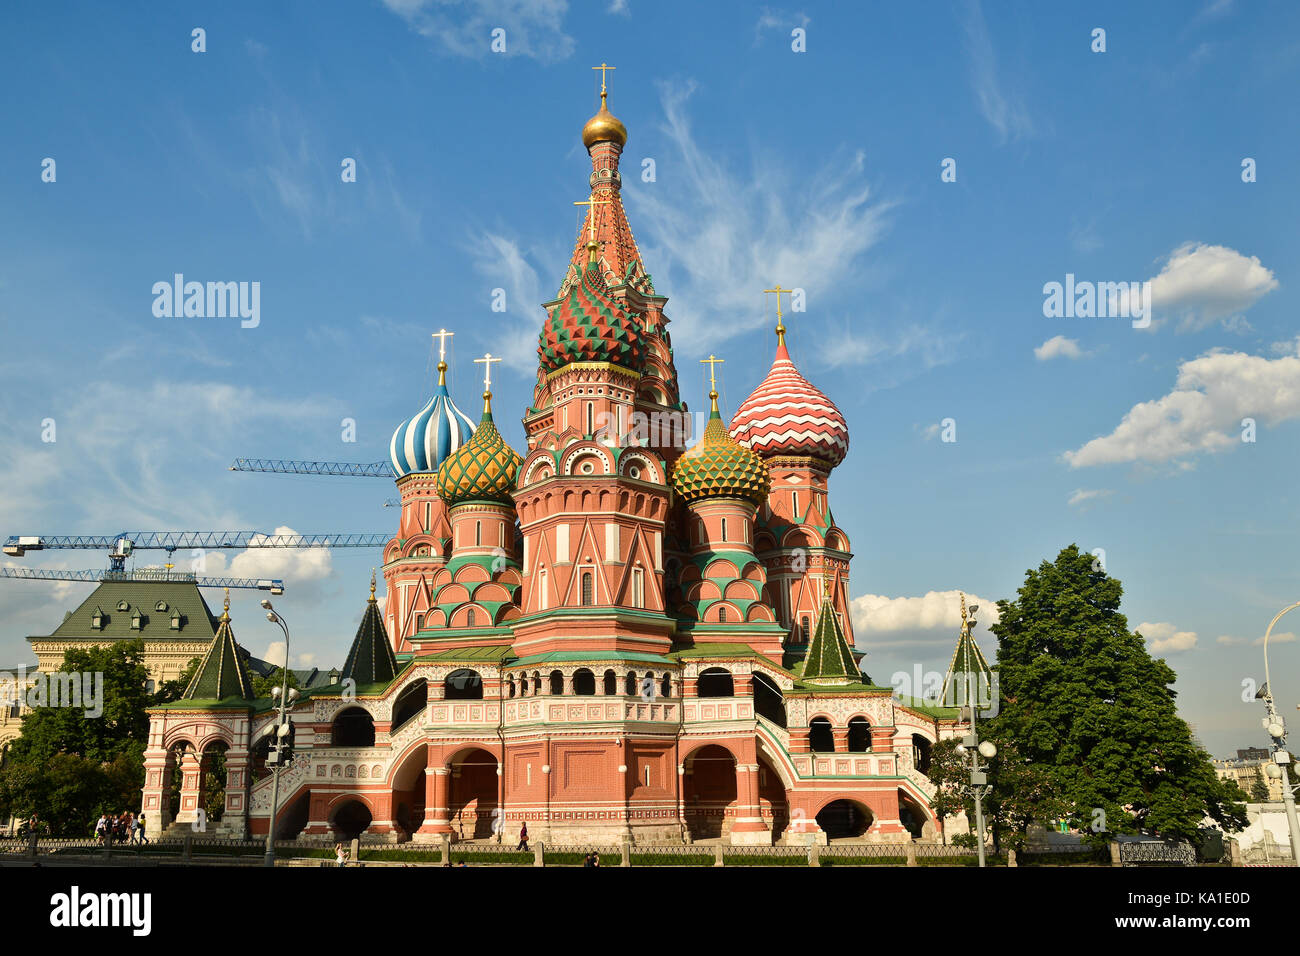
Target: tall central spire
{"points": [[604, 135]]}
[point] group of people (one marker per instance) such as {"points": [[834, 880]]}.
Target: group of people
{"points": [[126, 827]]}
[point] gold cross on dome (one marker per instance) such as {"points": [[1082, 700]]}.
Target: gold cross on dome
{"points": [[712, 362], [602, 69], [593, 202], [442, 335], [487, 361]]}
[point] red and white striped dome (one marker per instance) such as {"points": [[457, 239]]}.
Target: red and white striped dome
{"points": [[788, 415]]}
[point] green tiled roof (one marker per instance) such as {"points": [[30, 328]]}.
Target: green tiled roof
{"points": [[222, 674], [490, 652], [830, 659], [196, 620], [370, 660], [562, 657]]}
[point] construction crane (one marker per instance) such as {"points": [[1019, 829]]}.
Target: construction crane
{"points": [[347, 469], [274, 585], [121, 546]]}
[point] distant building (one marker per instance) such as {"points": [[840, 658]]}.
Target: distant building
{"points": [[1244, 769]]}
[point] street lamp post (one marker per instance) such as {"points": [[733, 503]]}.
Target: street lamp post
{"points": [[281, 733], [1276, 728], [978, 778]]}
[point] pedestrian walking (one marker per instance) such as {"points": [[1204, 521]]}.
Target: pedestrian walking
{"points": [[523, 837], [340, 855]]}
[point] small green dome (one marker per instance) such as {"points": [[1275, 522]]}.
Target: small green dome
{"points": [[721, 468], [482, 469]]}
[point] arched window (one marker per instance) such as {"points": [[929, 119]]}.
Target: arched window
{"points": [[591, 419], [478, 532], [666, 686], [471, 619], [768, 700], [629, 685], [722, 614], [557, 683], [859, 735], [584, 682], [821, 739], [542, 597], [611, 683], [638, 587], [715, 682], [724, 529], [588, 586], [795, 495], [419, 621], [463, 684]]}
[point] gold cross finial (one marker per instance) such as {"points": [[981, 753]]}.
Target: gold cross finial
{"points": [[225, 607], [486, 361], [713, 362], [780, 325], [442, 335], [603, 68], [372, 585], [592, 202]]}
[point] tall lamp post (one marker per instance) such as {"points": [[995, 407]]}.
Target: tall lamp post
{"points": [[1276, 728], [971, 742], [276, 752]]}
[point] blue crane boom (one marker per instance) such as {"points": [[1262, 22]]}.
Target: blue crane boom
{"points": [[120, 546], [352, 469], [274, 585]]}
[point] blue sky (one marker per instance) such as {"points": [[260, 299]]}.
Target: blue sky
{"points": [[817, 169]]}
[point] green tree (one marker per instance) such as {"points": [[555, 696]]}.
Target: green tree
{"points": [[173, 689], [1258, 788], [1084, 701], [950, 773], [262, 685]]}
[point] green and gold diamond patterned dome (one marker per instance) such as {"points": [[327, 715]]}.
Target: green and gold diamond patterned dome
{"points": [[590, 325], [482, 469], [720, 468]]}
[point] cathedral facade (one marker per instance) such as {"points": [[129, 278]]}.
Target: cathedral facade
{"points": [[609, 634]]}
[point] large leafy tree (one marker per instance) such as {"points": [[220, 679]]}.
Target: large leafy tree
{"points": [[1086, 703], [69, 766]]}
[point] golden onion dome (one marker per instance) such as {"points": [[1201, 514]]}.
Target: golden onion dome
{"points": [[719, 467], [482, 469], [604, 127]]}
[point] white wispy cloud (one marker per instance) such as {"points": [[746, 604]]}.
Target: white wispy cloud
{"points": [[533, 28], [1204, 412], [1000, 106], [752, 226], [1058, 346], [771, 19], [1164, 638], [1083, 495], [502, 261]]}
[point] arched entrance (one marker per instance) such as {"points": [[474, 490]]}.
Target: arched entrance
{"points": [[213, 786], [350, 819], [408, 783], [768, 700], [844, 820], [709, 792], [353, 727], [472, 794], [772, 802]]}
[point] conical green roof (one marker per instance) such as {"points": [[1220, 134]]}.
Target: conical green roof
{"points": [[967, 661], [829, 659], [371, 660], [222, 674]]}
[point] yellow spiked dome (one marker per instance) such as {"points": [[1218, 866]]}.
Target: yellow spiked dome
{"points": [[482, 469], [720, 468]]}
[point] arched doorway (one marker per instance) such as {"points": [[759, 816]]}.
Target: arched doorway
{"points": [[913, 816], [353, 727], [408, 782], [768, 700], [844, 820], [410, 702], [709, 792], [350, 819], [293, 816], [472, 793], [772, 803], [715, 682], [213, 786]]}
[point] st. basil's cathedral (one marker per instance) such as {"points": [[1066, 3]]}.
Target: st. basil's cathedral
{"points": [[605, 635]]}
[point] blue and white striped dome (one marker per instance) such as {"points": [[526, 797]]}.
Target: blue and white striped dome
{"points": [[424, 440]]}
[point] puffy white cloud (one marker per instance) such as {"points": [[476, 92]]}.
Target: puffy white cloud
{"points": [[291, 565], [1202, 284], [1212, 395], [933, 617], [1163, 638], [1058, 346]]}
